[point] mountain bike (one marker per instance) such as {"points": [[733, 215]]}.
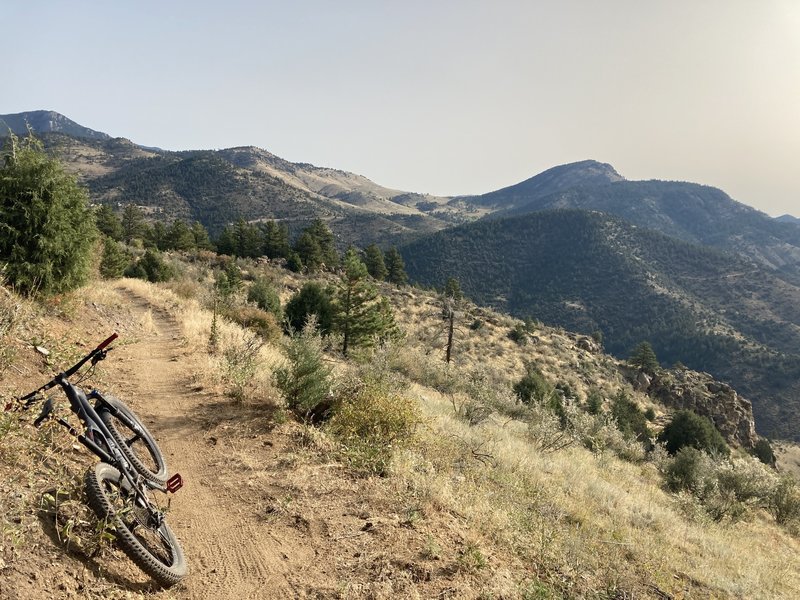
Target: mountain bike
{"points": [[121, 487]]}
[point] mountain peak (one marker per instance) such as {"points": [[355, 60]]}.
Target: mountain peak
{"points": [[553, 180], [47, 121]]}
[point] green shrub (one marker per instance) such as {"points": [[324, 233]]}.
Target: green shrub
{"points": [[689, 429], [151, 267], [264, 295], [519, 334], [259, 321], [371, 422], [763, 452], [312, 299], [533, 387], [784, 503], [630, 418], [305, 381], [689, 471]]}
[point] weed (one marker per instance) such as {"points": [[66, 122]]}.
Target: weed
{"points": [[471, 559]]}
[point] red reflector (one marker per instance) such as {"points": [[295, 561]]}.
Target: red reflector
{"points": [[174, 483]]}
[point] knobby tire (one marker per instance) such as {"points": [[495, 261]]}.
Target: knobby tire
{"points": [[155, 550]]}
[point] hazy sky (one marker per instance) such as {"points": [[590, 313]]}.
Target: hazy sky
{"points": [[446, 97]]}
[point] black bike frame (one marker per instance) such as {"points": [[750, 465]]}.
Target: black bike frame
{"points": [[96, 437]]}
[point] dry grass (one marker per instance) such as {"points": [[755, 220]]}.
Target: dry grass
{"points": [[588, 525], [511, 520]]}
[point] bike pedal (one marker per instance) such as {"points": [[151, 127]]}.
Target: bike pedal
{"points": [[174, 483]]}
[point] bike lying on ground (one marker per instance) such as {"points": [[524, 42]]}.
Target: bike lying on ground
{"points": [[120, 489]]}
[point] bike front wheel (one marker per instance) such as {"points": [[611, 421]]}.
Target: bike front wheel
{"points": [[139, 529], [134, 440]]}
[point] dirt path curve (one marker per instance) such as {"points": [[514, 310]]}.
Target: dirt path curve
{"points": [[231, 554]]}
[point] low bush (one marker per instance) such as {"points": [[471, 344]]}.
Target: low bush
{"points": [[371, 422], [784, 503], [630, 419], [305, 381], [264, 295], [259, 321], [689, 429]]}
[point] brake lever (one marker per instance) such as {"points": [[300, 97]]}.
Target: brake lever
{"points": [[100, 356]]}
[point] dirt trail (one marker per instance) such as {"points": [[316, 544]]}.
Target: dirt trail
{"points": [[230, 552]]}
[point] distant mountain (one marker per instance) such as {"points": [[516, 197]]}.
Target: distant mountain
{"points": [[588, 271], [219, 187], [47, 121], [788, 219], [688, 211], [587, 173]]}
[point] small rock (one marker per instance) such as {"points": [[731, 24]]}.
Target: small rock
{"points": [[43, 351]]}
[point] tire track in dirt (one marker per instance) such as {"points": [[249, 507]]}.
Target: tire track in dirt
{"points": [[230, 553]]}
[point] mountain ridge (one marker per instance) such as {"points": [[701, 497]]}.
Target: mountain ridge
{"points": [[590, 271]]}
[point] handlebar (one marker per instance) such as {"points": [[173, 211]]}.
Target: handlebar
{"points": [[95, 356]]}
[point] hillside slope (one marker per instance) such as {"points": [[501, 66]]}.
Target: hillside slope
{"points": [[688, 211], [492, 498], [590, 272]]}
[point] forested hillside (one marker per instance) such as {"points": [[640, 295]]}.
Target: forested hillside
{"points": [[593, 273]]}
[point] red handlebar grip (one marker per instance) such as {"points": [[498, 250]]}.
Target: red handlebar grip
{"points": [[107, 342]]}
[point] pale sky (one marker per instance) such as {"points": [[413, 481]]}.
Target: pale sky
{"points": [[440, 96]]}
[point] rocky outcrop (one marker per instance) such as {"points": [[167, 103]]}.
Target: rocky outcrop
{"points": [[702, 394]]}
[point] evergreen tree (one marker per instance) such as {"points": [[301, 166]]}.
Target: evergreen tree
{"points": [[46, 227], [179, 237], [247, 239], [133, 223], [114, 259], [373, 258], [644, 358], [275, 239], [308, 250], [396, 267], [312, 299], [156, 237], [357, 305], [690, 429], [226, 244], [108, 223], [202, 241], [327, 243]]}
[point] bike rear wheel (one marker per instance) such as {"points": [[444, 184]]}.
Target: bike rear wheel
{"points": [[146, 541], [136, 442]]}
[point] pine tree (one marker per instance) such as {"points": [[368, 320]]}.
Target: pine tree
{"points": [[308, 250], [275, 239], [47, 229], [202, 241], [114, 259], [133, 224], [357, 305], [108, 223], [396, 267], [179, 237], [644, 358], [327, 243], [376, 266]]}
